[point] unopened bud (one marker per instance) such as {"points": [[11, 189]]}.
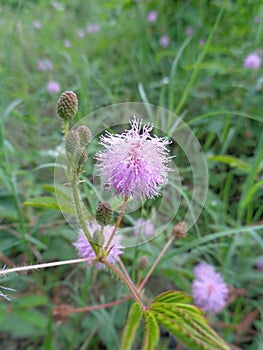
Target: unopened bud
{"points": [[179, 230], [104, 214], [72, 142], [84, 135], [67, 105], [82, 160], [98, 238], [143, 263], [62, 312]]}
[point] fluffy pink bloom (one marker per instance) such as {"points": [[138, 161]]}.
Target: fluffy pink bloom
{"points": [[189, 31], [164, 40], [37, 24], [53, 87], [85, 250], [80, 33], [259, 263], [92, 28], [210, 292], [134, 163], [252, 61], [44, 65], [152, 16], [67, 44], [144, 227]]}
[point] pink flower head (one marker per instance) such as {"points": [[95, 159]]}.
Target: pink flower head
{"points": [[134, 163], [210, 292], [85, 250], [53, 87], [37, 24], [67, 44], [144, 227], [164, 40], [92, 28], [189, 31], [44, 65], [252, 61], [152, 16], [80, 33], [259, 263]]}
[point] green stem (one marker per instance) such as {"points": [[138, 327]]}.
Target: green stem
{"points": [[117, 222], [65, 128], [78, 205]]}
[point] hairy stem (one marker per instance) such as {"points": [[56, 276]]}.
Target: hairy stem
{"points": [[124, 279], [102, 306], [117, 224], [43, 266], [78, 205], [167, 245]]}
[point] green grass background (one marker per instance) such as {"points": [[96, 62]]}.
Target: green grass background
{"points": [[202, 79]]}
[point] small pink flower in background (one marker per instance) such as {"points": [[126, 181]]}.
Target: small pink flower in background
{"points": [[210, 292], [58, 6], [80, 33], [85, 250], [67, 44], [256, 20], [252, 61], [202, 42], [53, 87], [152, 16], [144, 227], [92, 28], [45, 65], [259, 263], [134, 163], [189, 31], [37, 24], [164, 41]]}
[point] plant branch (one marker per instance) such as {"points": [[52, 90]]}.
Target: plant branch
{"points": [[155, 263], [43, 266]]}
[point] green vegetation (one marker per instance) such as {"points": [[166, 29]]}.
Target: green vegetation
{"points": [[107, 52]]}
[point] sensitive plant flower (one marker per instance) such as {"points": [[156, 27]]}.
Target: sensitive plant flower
{"points": [[144, 227], [37, 24], [45, 65], [67, 44], [256, 20], [152, 16], [53, 87], [164, 40], [80, 33], [259, 263], [134, 163], [85, 250], [252, 61], [189, 31], [210, 292], [92, 28]]}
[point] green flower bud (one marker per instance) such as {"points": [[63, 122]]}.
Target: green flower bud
{"points": [[82, 160], [84, 135], [98, 238], [104, 214], [67, 105], [72, 142]]}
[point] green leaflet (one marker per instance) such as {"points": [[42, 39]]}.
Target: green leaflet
{"points": [[188, 325], [173, 296], [132, 324], [48, 202], [152, 333]]}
